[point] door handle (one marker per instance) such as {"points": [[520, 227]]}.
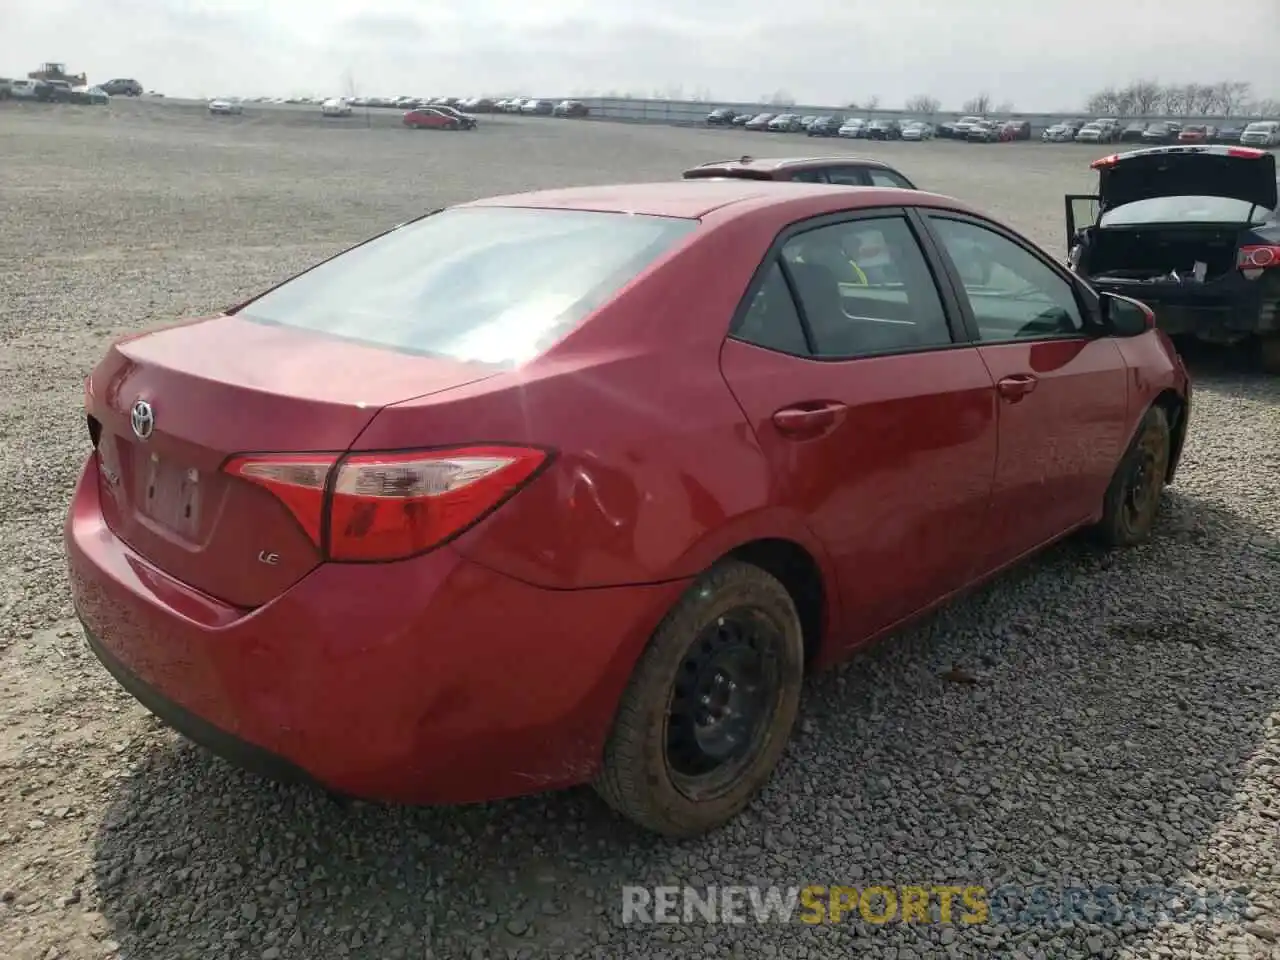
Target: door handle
{"points": [[810, 419], [1015, 387]]}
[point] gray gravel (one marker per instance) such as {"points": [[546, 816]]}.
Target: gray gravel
{"points": [[1123, 728]]}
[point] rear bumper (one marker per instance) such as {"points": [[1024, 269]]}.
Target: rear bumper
{"points": [[1226, 311], [434, 680]]}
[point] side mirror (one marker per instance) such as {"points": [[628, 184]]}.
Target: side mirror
{"points": [[1125, 316]]}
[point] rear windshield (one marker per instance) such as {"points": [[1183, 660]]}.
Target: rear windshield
{"points": [[1264, 126], [1185, 210], [490, 284]]}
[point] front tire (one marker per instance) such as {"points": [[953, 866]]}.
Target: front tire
{"points": [[1269, 353], [1133, 497], [710, 706]]}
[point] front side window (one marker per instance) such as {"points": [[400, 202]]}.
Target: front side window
{"points": [[865, 289], [487, 284], [1013, 294]]}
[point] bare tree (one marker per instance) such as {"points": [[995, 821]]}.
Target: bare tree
{"points": [[872, 102], [1232, 95], [923, 103], [1202, 99], [780, 98], [979, 105], [1103, 102], [1004, 106], [1146, 95], [1176, 100]]}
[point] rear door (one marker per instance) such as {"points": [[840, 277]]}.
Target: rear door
{"points": [[877, 418], [1062, 387]]}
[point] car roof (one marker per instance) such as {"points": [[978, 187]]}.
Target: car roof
{"points": [[787, 163], [694, 199]]}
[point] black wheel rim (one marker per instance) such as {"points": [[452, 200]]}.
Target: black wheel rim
{"points": [[1142, 489], [723, 702]]}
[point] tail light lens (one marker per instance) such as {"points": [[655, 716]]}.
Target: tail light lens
{"points": [[388, 506], [1257, 257]]}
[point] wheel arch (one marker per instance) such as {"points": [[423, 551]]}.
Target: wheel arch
{"points": [[1176, 408]]}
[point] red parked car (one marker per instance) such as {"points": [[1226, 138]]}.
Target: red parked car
{"points": [[428, 118], [575, 486], [1198, 133]]}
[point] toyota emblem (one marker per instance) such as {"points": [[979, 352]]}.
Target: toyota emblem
{"points": [[143, 419]]}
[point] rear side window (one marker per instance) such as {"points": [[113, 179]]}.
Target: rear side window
{"points": [[866, 289], [887, 178], [489, 284], [772, 320]]}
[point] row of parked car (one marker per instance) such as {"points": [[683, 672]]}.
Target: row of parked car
{"points": [[1261, 133], [529, 106], [976, 129], [53, 91]]}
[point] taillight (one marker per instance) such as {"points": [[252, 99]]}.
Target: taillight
{"points": [[1258, 256], [388, 506]]}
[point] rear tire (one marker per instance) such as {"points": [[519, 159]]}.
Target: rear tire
{"points": [[710, 706], [1133, 497]]}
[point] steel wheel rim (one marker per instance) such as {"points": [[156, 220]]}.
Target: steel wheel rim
{"points": [[724, 698], [1142, 488]]}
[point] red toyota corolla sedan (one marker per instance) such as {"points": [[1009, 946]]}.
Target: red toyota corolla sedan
{"points": [[426, 118], [574, 486]]}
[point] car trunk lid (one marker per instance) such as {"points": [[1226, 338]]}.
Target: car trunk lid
{"points": [[274, 389], [1238, 173]]}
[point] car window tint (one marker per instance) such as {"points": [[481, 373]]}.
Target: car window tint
{"points": [[772, 320], [847, 176], [887, 178], [1013, 294], [488, 284], [866, 289], [809, 176]]}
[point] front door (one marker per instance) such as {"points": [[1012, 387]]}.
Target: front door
{"points": [[1062, 386], [1082, 212], [878, 423]]}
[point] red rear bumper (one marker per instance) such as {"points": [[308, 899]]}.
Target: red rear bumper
{"points": [[434, 680]]}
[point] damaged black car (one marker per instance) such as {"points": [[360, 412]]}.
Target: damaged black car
{"points": [[1193, 231]]}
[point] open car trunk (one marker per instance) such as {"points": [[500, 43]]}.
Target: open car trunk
{"points": [[1172, 254]]}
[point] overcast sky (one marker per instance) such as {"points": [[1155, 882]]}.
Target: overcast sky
{"points": [[1036, 54]]}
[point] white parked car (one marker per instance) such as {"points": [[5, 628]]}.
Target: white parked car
{"points": [[335, 107], [1091, 133], [853, 129], [917, 130], [1262, 133], [225, 107]]}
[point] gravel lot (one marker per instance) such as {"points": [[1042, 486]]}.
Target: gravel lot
{"points": [[1124, 729]]}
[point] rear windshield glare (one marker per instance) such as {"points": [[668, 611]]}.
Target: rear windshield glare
{"points": [[1185, 210], [493, 285]]}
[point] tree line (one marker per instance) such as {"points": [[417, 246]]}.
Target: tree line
{"points": [[1144, 98]]}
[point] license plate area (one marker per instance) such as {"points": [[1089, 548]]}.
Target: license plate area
{"points": [[169, 495]]}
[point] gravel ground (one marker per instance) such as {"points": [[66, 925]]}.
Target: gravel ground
{"points": [[1124, 726]]}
